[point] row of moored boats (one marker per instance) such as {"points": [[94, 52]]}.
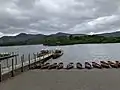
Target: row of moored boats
{"points": [[4, 54], [87, 65]]}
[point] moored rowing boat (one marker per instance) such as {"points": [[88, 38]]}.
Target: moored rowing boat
{"points": [[70, 66], [45, 66], [96, 65], [88, 65], [60, 65], [79, 65], [53, 66], [112, 64], [104, 64]]}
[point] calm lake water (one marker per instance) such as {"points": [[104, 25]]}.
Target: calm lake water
{"points": [[73, 53]]}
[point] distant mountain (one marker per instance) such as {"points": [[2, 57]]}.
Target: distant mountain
{"points": [[20, 39], [113, 34], [65, 34], [59, 34], [24, 39]]}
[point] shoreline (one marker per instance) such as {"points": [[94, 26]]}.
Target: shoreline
{"points": [[79, 44], [58, 45], [65, 80]]}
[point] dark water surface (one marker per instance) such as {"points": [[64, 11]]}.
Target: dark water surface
{"points": [[73, 53]]}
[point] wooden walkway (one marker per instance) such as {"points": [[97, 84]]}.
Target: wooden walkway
{"points": [[21, 66], [26, 63]]}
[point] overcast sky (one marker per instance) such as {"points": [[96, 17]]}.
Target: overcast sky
{"points": [[51, 16]]}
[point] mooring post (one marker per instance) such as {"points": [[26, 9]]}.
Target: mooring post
{"points": [[0, 72], [12, 53], [34, 59], [29, 60], [22, 67], [37, 54], [13, 68], [7, 63], [38, 58], [15, 61], [23, 58]]}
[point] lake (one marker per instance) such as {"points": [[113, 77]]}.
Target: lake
{"points": [[73, 53]]}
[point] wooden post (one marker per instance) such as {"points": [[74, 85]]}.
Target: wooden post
{"points": [[37, 55], [34, 57], [38, 58], [12, 53], [15, 61], [0, 72], [7, 63], [29, 60], [23, 58], [22, 67], [39, 62], [13, 68]]}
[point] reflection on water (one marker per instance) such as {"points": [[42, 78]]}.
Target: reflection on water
{"points": [[73, 53]]}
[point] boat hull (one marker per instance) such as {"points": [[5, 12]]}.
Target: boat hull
{"points": [[70, 66], [55, 56], [96, 65], [53, 66], [60, 66], [112, 64], [88, 65], [79, 66], [104, 65], [46, 66]]}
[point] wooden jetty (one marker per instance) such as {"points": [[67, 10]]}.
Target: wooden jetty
{"points": [[23, 65]]}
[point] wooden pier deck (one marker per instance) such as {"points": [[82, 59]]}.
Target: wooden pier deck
{"points": [[20, 66], [26, 63]]}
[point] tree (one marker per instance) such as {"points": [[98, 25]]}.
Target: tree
{"points": [[71, 37], [77, 37]]}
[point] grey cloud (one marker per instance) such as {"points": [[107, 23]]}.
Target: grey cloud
{"points": [[26, 4], [49, 16]]}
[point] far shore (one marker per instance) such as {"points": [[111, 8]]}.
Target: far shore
{"points": [[55, 45]]}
